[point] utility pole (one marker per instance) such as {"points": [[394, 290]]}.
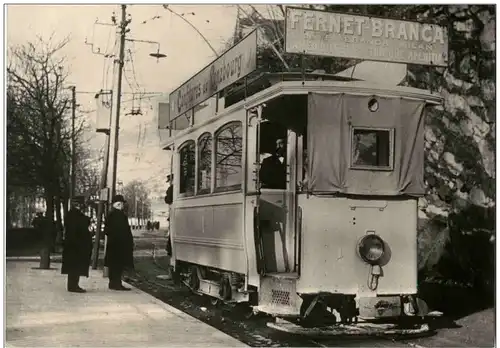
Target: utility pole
{"points": [[119, 63], [102, 185], [135, 201], [73, 150], [115, 131]]}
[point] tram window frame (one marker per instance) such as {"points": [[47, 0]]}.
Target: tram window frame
{"points": [[209, 155], [388, 153], [239, 185], [183, 189]]}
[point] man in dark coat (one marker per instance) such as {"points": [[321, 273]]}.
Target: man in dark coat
{"points": [[77, 250], [169, 199], [272, 174], [120, 245]]}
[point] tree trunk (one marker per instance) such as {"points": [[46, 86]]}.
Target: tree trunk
{"points": [[48, 230], [60, 226], [65, 207], [8, 210]]}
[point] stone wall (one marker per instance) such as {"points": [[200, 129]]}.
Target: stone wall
{"points": [[460, 143]]}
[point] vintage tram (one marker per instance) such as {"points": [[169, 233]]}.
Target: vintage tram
{"points": [[298, 196]]}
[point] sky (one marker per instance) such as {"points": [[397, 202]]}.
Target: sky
{"points": [[140, 156]]}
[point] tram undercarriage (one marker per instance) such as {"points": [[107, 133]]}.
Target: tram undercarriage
{"points": [[221, 285], [309, 314]]}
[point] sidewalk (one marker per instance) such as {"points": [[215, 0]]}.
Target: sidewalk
{"points": [[41, 313]]}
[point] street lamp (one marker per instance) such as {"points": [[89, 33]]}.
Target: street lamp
{"points": [[156, 54]]}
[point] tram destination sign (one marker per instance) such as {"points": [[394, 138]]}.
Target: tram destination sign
{"points": [[236, 63], [342, 35]]}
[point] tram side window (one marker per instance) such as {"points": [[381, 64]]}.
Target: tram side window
{"points": [[229, 142], [187, 169], [372, 148], [204, 163]]}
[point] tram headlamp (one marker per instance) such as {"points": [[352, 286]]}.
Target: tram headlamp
{"points": [[371, 249]]}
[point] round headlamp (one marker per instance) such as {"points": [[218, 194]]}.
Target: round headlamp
{"points": [[371, 248]]}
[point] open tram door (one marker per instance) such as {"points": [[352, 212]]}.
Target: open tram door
{"points": [[275, 134]]}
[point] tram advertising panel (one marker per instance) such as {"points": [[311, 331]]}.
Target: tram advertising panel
{"points": [[236, 63]]}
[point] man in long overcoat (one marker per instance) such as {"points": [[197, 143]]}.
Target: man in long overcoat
{"points": [[77, 250], [120, 246]]}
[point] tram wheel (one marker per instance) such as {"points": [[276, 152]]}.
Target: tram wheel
{"points": [[225, 289], [194, 281], [176, 276]]}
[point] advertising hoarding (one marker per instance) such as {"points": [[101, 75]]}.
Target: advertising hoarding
{"points": [[343, 35]]}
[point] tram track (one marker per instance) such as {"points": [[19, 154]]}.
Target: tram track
{"points": [[233, 320]]}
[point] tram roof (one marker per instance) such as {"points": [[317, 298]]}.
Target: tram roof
{"points": [[326, 84], [347, 87]]}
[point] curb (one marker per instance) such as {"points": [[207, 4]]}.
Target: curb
{"points": [[140, 253], [31, 258]]}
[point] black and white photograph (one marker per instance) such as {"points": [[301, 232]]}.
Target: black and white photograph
{"points": [[260, 175]]}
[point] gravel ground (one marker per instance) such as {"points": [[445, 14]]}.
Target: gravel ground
{"points": [[232, 320]]}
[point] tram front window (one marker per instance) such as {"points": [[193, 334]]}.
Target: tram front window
{"points": [[371, 147]]}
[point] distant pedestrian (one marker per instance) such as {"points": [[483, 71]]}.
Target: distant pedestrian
{"points": [[169, 199], [77, 250], [38, 222], [41, 224], [120, 247]]}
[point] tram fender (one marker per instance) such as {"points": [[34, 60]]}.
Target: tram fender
{"points": [[380, 307]]}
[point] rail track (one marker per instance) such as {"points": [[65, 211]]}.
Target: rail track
{"points": [[235, 320]]}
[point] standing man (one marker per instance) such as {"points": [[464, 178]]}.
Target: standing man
{"points": [[169, 198], [120, 248], [77, 246], [272, 173]]}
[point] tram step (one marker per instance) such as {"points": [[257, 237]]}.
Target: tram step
{"points": [[289, 275]]}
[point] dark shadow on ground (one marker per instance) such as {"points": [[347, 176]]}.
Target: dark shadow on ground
{"points": [[455, 301]]}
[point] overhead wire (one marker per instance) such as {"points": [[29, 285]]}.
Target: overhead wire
{"points": [[135, 90], [105, 59]]}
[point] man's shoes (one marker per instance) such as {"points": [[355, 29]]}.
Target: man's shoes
{"points": [[118, 288], [78, 290]]}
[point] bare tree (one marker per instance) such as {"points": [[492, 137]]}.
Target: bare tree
{"points": [[39, 119], [137, 197]]}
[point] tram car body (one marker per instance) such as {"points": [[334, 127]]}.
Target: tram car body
{"points": [[337, 240]]}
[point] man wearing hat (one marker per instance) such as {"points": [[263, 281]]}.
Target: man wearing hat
{"points": [[120, 246], [77, 250], [272, 173], [169, 199]]}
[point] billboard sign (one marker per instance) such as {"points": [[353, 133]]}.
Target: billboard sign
{"points": [[236, 63], [344, 35]]}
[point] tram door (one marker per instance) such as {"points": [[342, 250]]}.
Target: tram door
{"points": [[275, 153]]}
